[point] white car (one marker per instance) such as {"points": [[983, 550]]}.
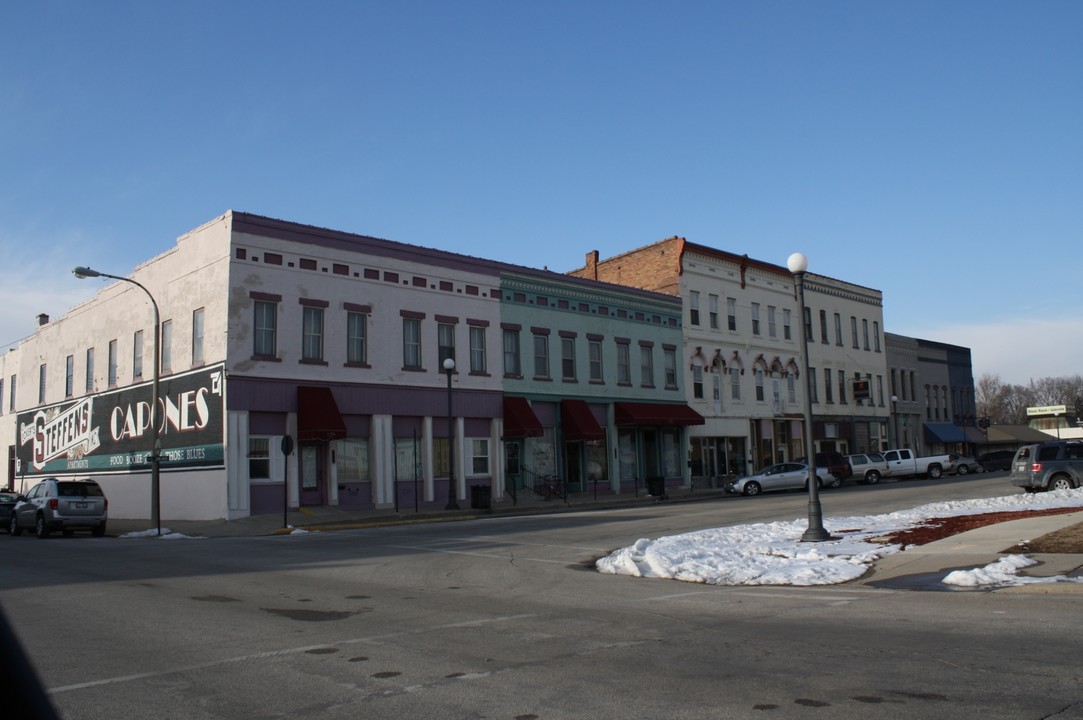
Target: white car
{"points": [[783, 476]]}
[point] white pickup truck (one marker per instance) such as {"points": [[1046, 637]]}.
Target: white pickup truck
{"points": [[903, 463]]}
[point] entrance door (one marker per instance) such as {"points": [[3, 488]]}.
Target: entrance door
{"points": [[512, 474], [313, 469], [573, 456]]}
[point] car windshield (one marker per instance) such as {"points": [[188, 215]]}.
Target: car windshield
{"points": [[78, 489]]}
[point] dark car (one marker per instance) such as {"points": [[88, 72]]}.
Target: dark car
{"points": [[7, 504], [836, 464], [65, 505], [996, 460]]}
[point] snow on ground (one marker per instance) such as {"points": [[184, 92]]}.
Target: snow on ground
{"points": [[773, 554], [166, 534]]}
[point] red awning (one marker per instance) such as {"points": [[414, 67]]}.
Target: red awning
{"points": [[519, 419], [578, 421], [317, 415], [631, 413]]}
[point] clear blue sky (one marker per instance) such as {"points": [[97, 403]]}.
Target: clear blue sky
{"points": [[931, 150]]}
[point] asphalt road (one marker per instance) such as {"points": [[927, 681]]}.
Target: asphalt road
{"points": [[503, 618]]}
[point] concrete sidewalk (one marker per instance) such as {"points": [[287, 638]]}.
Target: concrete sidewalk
{"points": [[924, 566]]}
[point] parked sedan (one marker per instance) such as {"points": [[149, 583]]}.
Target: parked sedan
{"points": [[783, 476], [965, 464]]}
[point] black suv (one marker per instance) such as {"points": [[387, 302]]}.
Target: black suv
{"points": [[1054, 465]]}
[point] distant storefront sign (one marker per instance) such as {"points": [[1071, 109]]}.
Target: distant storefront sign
{"points": [[110, 433]]}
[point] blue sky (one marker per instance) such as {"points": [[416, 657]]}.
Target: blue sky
{"points": [[931, 150]]}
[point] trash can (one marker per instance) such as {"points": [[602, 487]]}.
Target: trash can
{"points": [[656, 487], [481, 497]]}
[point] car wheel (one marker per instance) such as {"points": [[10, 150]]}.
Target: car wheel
{"points": [[41, 529], [962, 470], [935, 472], [752, 488], [819, 483], [1060, 482], [979, 469], [13, 527], [98, 531], [834, 482], [872, 477]]}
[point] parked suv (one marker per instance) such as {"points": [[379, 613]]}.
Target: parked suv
{"points": [[869, 467], [1053, 465], [65, 505], [997, 460], [836, 464]]}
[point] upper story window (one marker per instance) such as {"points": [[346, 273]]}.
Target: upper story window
{"points": [[594, 349], [11, 393], [823, 327], [112, 363], [445, 338], [567, 358], [669, 360], [853, 329], [411, 343], [41, 383], [712, 309], [842, 387], [357, 349], [511, 353], [624, 364], [759, 385], [755, 318], [865, 332], [137, 355], [828, 384], [265, 322], [312, 333], [838, 329], [735, 383], [697, 381], [693, 307], [478, 360], [69, 376], [197, 336], [731, 313], [772, 325], [646, 365], [787, 332], [167, 346], [90, 370], [876, 334], [541, 355]]}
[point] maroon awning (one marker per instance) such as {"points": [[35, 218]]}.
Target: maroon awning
{"points": [[519, 419], [318, 417], [634, 413], [578, 421]]}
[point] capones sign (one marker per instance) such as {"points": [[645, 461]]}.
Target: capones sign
{"points": [[111, 432]]}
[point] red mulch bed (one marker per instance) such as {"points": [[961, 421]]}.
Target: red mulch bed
{"points": [[939, 528]]}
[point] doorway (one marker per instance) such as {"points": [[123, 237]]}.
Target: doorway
{"points": [[313, 473]]}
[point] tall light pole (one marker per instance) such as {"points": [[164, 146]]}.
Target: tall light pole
{"points": [[798, 265], [156, 450], [452, 503], [895, 417]]}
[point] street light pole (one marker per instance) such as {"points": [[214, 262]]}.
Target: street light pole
{"points": [[798, 265], [895, 418], [452, 503], [155, 443]]}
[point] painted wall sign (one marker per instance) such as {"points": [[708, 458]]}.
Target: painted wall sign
{"points": [[110, 432]]}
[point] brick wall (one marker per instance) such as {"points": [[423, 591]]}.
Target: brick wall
{"points": [[655, 267]]}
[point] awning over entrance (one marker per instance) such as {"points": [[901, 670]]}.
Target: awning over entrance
{"points": [[519, 419], [943, 433], [974, 435], [631, 413], [318, 417], [578, 421]]}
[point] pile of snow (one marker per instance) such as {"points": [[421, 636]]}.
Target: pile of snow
{"points": [[167, 534], [773, 554]]}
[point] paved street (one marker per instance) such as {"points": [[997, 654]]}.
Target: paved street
{"points": [[503, 618]]}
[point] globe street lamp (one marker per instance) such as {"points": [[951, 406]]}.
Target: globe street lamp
{"points": [[155, 452], [452, 504], [798, 264]]}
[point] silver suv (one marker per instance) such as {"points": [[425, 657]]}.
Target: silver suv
{"points": [[1052, 465], [65, 505]]}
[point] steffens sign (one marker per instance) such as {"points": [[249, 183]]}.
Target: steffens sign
{"points": [[110, 433]]}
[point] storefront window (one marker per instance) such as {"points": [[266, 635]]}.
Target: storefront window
{"points": [[352, 460]]}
